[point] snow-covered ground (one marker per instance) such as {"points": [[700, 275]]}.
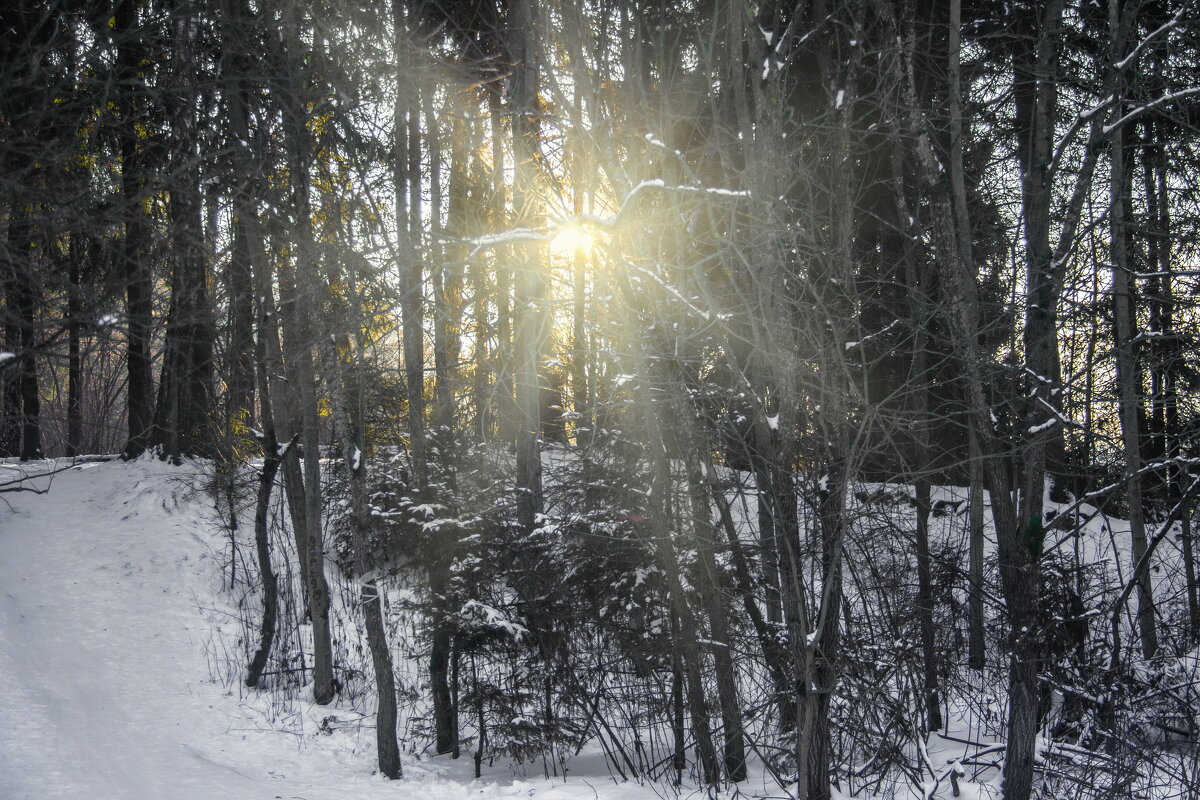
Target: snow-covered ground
{"points": [[120, 655], [110, 586]]}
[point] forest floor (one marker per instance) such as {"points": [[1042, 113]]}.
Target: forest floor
{"points": [[121, 649], [110, 585]]}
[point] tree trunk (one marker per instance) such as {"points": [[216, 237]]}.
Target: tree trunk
{"points": [[933, 707], [774, 655], [1128, 375], [976, 657], [74, 356], [10, 377], [182, 418], [23, 300], [346, 396], [299, 342], [262, 545], [530, 290], [241, 352], [131, 56], [734, 751]]}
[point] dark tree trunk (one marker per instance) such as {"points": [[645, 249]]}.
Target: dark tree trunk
{"points": [[300, 338], [774, 654], [933, 707], [182, 420], [346, 396], [407, 209], [249, 244], [10, 378], [23, 300], [1128, 374], [734, 745], [976, 652], [74, 356], [236, 47], [262, 547], [131, 55], [530, 289]]}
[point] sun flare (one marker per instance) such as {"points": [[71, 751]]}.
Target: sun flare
{"points": [[572, 238]]}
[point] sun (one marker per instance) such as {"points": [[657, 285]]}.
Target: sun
{"points": [[571, 238]]}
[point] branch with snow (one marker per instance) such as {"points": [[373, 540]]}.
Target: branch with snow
{"points": [[1166, 27], [870, 336], [1151, 106], [545, 233]]}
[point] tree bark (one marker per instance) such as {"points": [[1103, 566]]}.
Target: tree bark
{"points": [[530, 290], [23, 300], [734, 739], [300, 341], [1125, 334], [346, 396], [74, 355], [976, 648], [182, 419], [241, 354], [131, 55]]}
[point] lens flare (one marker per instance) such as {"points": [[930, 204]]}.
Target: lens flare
{"points": [[572, 238]]}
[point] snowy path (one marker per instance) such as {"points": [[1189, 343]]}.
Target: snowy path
{"points": [[104, 685]]}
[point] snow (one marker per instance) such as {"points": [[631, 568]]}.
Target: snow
{"points": [[111, 593], [112, 606], [1162, 29], [1153, 104], [1042, 426], [6, 356]]}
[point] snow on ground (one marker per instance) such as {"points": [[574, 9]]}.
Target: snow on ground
{"points": [[110, 583], [114, 623]]}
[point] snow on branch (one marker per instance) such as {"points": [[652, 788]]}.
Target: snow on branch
{"points": [[1164, 28], [1137, 112], [547, 232], [512, 236], [870, 336]]}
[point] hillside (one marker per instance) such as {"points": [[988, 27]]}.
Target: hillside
{"points": [[111, 600]]}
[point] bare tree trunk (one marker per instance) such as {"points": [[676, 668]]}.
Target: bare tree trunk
{"points": [[346, 396], [182, 418], [239, 400], [406, 187], [687, 644], [267, 358], [962, 226], [530, 290], [1128, 375], [1165, 368], [920, 376], [23, 300], [773, 652], [678, 729], [138, 274], [300, 344], [10, 377], [734, 750], [976, 653], [1019, 546], [74, 335], [933, 708]]}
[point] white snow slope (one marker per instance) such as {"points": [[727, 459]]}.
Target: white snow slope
{"points": [[110, 583]]}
